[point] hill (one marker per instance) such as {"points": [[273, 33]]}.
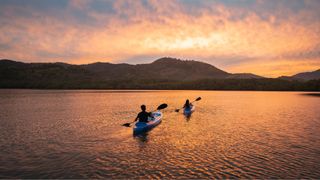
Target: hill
{"points": [[161, 69], [305, 76], [164, 73], [308, 75]]}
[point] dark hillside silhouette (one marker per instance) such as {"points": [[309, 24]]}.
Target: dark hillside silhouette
{"points": [[305, 76], [164, 73]]}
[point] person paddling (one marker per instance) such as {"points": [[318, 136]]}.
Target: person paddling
{"points": [[187, 104], [143, 115]]}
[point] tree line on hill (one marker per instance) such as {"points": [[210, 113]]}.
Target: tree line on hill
{"points": [[165, 73]]}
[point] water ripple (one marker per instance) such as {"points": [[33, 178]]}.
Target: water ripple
{"points": [[231, 135]]}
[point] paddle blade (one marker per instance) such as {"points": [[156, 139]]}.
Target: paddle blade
{"points": [[126, 124], [198, 99], [162, 106]]}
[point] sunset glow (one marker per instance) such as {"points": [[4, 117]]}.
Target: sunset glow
{"points": [[268, 38]]}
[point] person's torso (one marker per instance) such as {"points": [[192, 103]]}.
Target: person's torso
{"points": [[143, 116], [187, 106]]}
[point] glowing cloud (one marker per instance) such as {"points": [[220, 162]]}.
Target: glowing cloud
{"points": [[264, 37]]}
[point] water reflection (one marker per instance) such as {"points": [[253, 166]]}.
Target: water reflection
{"points": [[77, 134], [141, 137], [311, 94], [188, 117]]}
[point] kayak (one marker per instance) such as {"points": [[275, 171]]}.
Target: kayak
{"points": [[189, 111], [140, 127]]}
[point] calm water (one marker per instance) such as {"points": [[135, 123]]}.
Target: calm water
{"points": [[77, 134]]}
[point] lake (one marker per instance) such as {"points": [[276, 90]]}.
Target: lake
{"points": [[231, 134]]}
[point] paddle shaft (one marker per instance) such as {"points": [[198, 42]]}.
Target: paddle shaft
{"points": [[135, 120], [162, 106]]}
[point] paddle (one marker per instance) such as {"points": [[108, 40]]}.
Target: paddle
{"points": [[198, 99], [162, 106]]}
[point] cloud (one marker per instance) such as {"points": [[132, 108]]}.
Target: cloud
{"points": [[245, 36]]}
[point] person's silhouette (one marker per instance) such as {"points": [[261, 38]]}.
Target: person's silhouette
{"points": [[143, 115], [187, 104]]}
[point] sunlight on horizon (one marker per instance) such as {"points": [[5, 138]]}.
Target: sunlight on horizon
{"points": [[262, 37]]}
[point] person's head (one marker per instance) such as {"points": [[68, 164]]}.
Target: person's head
{"points": [[187, 101], [143, 107]]}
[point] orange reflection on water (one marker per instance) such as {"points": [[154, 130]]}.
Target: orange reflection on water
{"points": [[230, 135]]}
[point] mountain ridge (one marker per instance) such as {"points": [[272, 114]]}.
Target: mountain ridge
{"points": [[303, 76], [168, 62], [165, 64], [163, 73]]}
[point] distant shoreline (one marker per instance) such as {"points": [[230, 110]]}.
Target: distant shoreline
{"points": [[311, 93], [162, 74]]}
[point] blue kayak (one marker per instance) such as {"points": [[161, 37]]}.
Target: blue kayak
{"points": [[140, 127], [189, 111]]}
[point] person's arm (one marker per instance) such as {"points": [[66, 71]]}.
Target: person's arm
{"points": [[137, 117]]}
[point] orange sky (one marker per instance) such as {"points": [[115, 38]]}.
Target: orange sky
{"points": [[268, 38]]}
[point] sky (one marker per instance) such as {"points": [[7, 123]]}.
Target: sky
{"points": [[265, 37]]}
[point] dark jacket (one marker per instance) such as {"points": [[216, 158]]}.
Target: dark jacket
{"points": [[187, 106], [143, 116]]}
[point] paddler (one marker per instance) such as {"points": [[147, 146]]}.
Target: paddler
{"points": [[143, 115], [187, 105]]}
